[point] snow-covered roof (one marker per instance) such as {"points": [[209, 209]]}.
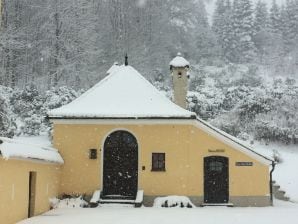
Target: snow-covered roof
{"points": [[10, 148], [113, 68], [125, 93], [179, 61]]}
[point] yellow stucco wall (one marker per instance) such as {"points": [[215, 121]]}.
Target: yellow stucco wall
{"points": [[14, 188], [185, 147]]}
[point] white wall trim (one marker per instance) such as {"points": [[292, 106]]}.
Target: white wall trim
{"points": [[123, 121]]}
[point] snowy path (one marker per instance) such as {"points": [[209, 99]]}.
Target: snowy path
{"points": [[283, 212]]}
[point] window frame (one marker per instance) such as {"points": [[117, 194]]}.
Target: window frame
{"points": [[161, 161]]}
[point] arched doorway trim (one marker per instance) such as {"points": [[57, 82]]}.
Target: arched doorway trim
{"points": [[119, 164]]}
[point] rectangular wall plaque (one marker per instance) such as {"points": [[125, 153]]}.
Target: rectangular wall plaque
{"points": [[244, 163], [216, 150]]}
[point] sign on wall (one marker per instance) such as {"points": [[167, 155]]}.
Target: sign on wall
{"points": [[216, 150], [244, 163]]}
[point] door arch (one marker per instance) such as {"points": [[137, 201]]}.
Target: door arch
{"points": [[216, 179], [120, 165]]}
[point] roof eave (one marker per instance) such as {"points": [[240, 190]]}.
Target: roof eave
{"points": [[33, 159], [121, 118]]}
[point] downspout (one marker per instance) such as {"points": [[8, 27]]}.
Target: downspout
{"points": [[271, 184]]}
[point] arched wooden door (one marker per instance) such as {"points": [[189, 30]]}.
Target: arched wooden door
{"points": [[120, 166], [216, 179]]}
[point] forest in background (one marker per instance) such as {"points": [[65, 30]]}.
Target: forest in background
{"points": [[244, 63]]}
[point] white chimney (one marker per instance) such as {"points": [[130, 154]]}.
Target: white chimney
{"points": [[179, 67]]}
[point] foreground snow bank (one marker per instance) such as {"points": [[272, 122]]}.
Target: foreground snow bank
{"points": [[283, 212], [173, 201], [78, 202]]}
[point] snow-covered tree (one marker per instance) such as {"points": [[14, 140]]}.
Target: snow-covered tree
{"points": [[274, 18], [242, 24], [261, 16]]}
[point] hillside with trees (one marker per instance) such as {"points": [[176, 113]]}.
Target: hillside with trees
{"points": [[244, 63]]}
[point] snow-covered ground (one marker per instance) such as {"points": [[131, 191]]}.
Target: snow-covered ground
{"points": [[285, 173], [283, 212]]}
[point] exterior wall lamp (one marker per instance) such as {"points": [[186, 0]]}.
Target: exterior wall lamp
{"points": [[92, 153]]}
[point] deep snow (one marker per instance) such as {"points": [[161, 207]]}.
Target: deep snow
{"points": [[283, 212]]}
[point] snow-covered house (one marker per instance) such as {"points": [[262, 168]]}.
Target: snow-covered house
{"points": [[123, 137], [29, 176]]}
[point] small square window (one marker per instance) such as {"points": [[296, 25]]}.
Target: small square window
{"points": [[158, 161]]}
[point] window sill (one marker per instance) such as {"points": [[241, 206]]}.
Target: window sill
{"points": [[158, 170]]}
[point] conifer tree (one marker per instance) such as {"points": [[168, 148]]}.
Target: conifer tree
{"points": [[274, 18], [218, 18], [242, 23], [261, 16], [222, 26], [289, 21], [228, 32], [260, 37]]}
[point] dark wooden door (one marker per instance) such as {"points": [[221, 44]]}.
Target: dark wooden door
{"points": [[120, 166], [32, 192], [216, 179]]}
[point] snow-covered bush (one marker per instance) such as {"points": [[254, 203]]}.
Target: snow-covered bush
{"points": [[57, 97], [23, 112], [27, 105], [227, 122], [173, 201], [276, 156], [7, 118], [73, 202]]}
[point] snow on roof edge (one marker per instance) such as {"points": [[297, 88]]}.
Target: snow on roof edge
{"points": [[13, 149]]}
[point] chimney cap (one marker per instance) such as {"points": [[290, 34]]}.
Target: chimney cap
{"points": [[179, 62]]}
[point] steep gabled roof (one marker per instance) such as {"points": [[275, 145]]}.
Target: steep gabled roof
{"points": [[125, 93]]}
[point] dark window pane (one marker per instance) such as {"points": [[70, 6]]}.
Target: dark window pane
{"points": [[158, 161], [215, 166]]}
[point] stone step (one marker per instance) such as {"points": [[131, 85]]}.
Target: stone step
{"points": [[278, 193], [217, 204], [115, 201], [273, 182], [275, 189], [276, 186], [283, 198]]}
